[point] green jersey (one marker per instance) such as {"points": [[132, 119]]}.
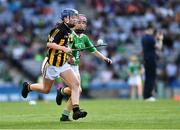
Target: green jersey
{"points": [[134, 68], [79, 42]]}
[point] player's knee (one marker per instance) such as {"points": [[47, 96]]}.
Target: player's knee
{"points": [[78, 83], [75, 84], [46, 91]]}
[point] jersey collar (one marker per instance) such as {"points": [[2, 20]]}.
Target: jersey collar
{"points": [[81, 35]]}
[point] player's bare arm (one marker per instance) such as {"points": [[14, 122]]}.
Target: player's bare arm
{"points": [[57, 47], [102, 57]]}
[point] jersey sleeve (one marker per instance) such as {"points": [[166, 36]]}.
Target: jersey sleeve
{"points": [[129, 68], [54, 36], [71, 41], [88, 43]]}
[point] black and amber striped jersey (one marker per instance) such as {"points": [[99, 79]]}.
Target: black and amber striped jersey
{"points": [[59, 35]]}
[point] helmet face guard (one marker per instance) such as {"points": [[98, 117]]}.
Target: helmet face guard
{"points": [[68, 13]]}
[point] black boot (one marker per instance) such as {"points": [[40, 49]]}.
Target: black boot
{"points": [[25, 89], [59, 97], [64, 118], [79, 114]]}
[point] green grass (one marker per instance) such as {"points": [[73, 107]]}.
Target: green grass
{"points": [[102, 114]]}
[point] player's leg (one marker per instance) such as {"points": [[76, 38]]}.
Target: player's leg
{"points": [[62, 92], [132, 91], [67, 91], [49, 74], [139, 88], [44, 87], [70, 77], [66, 112], [131, 87]]}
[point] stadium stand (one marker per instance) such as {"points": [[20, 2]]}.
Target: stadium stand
{"points": [[24, 26]]}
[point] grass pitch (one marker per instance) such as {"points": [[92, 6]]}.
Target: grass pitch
{"points": [[102, 114]]}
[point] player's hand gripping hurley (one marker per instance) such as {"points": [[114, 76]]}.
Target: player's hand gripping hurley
{"points": [[100, 43]]}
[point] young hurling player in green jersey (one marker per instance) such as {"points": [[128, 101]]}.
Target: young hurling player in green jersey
{"points": [[78, 41], [135, 82]]}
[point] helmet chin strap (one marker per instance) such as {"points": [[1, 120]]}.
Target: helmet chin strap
{"points": [[79, 31]]}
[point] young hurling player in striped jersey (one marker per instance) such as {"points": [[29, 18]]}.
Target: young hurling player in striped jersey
{"points": [[79, 41], [56, 65]]}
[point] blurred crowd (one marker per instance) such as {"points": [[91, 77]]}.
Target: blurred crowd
{"points": [[24, 26], [23, 34]]}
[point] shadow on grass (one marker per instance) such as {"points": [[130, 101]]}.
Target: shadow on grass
{"points": [[82, 124]]}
